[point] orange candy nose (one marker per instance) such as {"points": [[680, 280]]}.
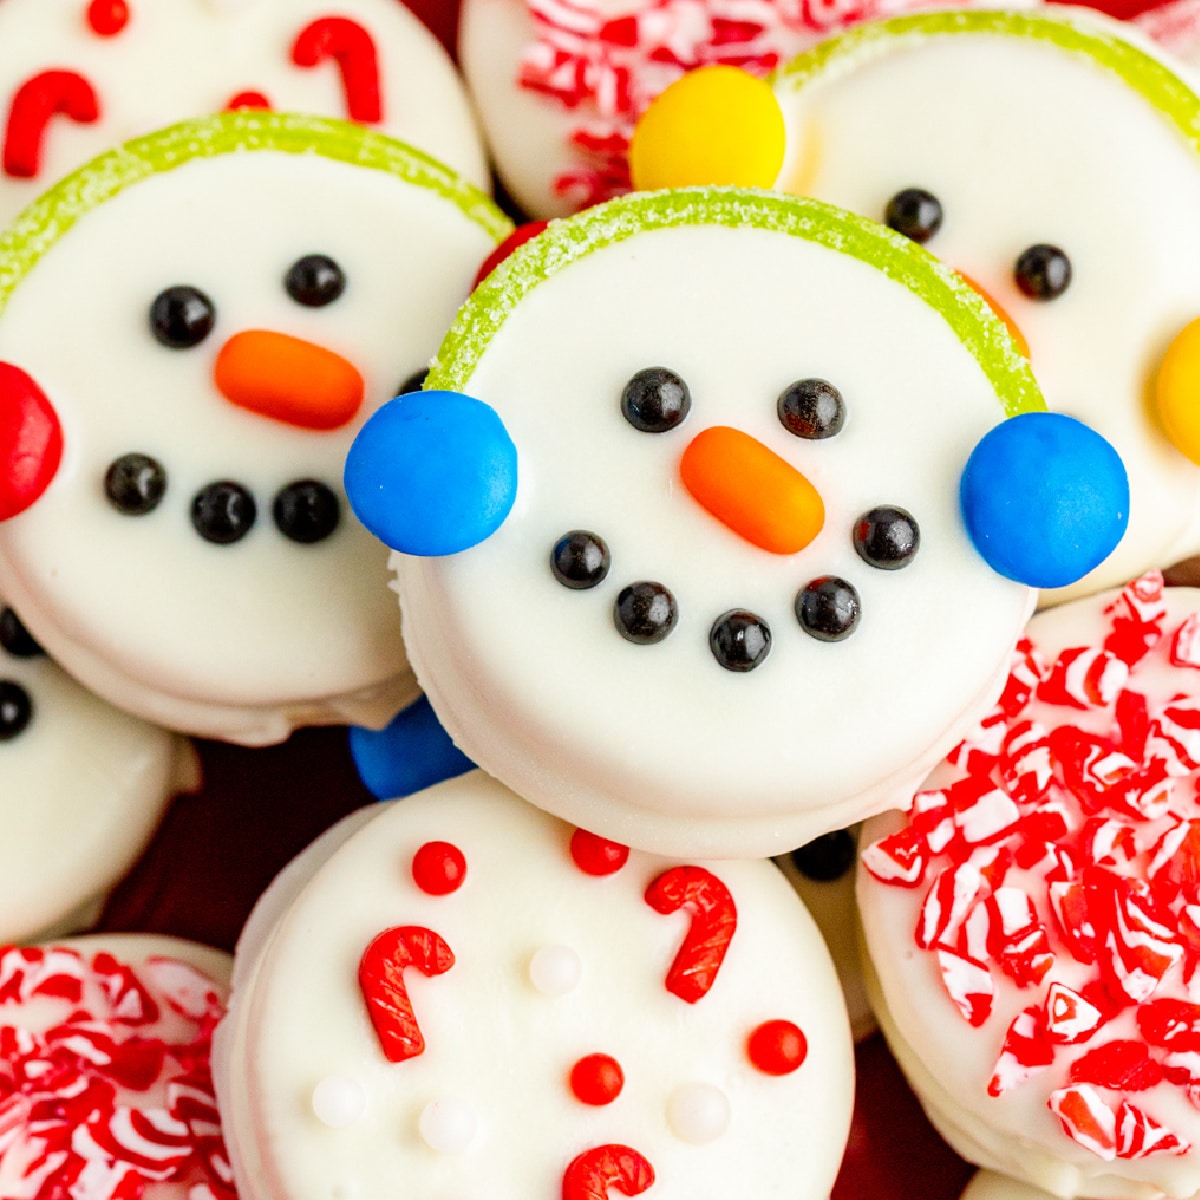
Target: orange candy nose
{"points": [[288, 379], [1013, 328], [752, 490]]}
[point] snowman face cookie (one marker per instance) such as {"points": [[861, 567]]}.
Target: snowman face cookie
{"points": [[468, 995], [82, 787], [241, 293], [732, 595], [77, 78]]}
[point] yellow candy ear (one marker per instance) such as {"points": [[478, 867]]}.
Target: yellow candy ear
{"points": [[715, 125], [1177, 391]]}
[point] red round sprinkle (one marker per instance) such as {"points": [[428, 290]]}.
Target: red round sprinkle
{"points": [[596, 855], [248, 99], [439, 868], [108, 17], [597, 1079], [777, 1047]]}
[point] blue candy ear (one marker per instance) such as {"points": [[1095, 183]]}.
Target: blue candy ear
{"points": [[432, 473], [1045, 499], [412, 753]]}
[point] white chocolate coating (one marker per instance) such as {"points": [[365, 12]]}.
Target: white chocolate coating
{"points": [[487, 1107], [82, 788], [186, 58], [659, 746], [1020, 139], [246, 641], [989, 1185]]}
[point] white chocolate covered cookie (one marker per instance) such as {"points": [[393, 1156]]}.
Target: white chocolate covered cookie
{"points": [[989, 1185], [1032, 922], [467, 995], [239, 293], [82, 787], [77, 78]]}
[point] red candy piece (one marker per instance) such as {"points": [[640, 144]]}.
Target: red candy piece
{"points": [[900, 859], [1185, 643], [1123, 1066], [37, 100], [1026, 1052], [1171, 1023], [381, 980], [247, 99], [777, 1047], [518, 237], [695, 966], [31, 441], [107, 17], [353, 49], [439, 868], [1069, 1017], [1139, 1135], [593, 1173], [595, 855], [1086, 1119], [969, 983], [1084, 677], [597, 1079]]}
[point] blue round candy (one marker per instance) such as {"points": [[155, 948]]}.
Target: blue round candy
{"points": [[412, 753], [1045, 499], [432, 473]]}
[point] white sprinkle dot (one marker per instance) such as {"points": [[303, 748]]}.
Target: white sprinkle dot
{"points": [[448, 1125], [338, 1101], [698, 1112], [555, 970]]}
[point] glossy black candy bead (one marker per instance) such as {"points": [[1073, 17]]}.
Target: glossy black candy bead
{"points": [[223, 512], [1042, 272], [828, 608], [812, 409], [135, 484], [887, 537], [15, 638], [182, 317], [645, 613], [655, 400], [739, 640], [414, 383], [306, 511], [826, 858], [16, 709], [315, 281], [580, 560], [915, 213]]}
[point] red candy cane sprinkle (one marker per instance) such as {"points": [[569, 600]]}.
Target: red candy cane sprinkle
{"points": [[107, 18], [1069, 835], [37, 100], [594, 1173], [597, 1079], [439, 868], [714, 922], [777, 1047], [381, 980], [351, 46], [596, 855]]}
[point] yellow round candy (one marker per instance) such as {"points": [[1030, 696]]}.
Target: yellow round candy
{"points": [[1177, 391], [715, 125]]}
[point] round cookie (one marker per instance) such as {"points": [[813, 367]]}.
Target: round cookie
{"points": [[1032, 922], [988, 1185], [175, 532], [718, 542], [77, 78], [82, 788], [105, 1084], [575, 1015]]}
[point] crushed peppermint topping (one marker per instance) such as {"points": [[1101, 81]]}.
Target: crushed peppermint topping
{"points": [[1077, 849], [72, 1123]]}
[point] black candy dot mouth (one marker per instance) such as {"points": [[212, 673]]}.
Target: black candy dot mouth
{"points": [[16, 710]]}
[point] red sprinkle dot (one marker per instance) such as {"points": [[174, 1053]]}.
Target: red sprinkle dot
{"points": [[247, 100], [596, 855], [597, 1079], [108, 17], [777, 1047], [439, 868]]}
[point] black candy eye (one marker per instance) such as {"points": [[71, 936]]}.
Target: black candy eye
{"points": [[828, 608], [826, 858], [812, 409], [739, 640], [223, 512], [645, 613], [306, 511], [915, 213], [414, 383], [315, 281], [887, 537], [135, 484], [16, 709], [15, 638], [1042, 272], [182, 317], [655, 400], [580, 560]]}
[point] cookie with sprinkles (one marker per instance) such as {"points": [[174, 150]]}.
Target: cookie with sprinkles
{"points": [[1034, 920], [464, 994]]}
